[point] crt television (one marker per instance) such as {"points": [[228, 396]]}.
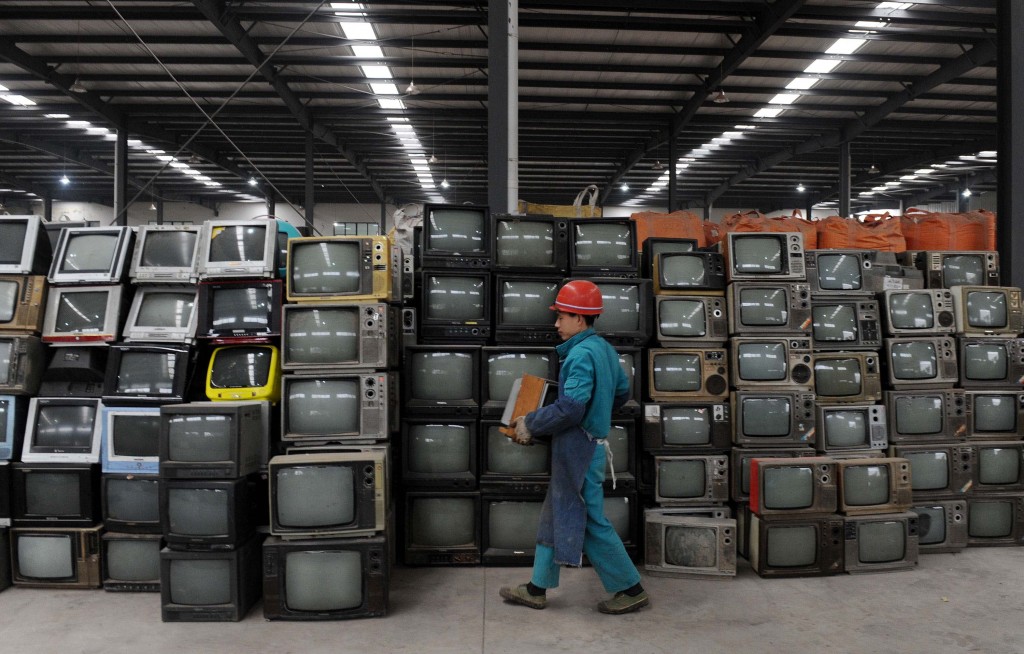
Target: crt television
{"points": [[13, 410], [322, 337], [441, 528], [62, 429], [843, 428], [741, 459], [926, 416], [772, 418], [690, 480], [441, 380], [793, 486], [918, 312], [131, 562], [91, 255], [998, 467], [439, 453], [130, 439], [337, 579], [761, 362], [939, 469], [602, 247], [687, 373], [244, 372], [339, 407], [941, 525], [691, 319], [991, 362], [945, 269], [501, 366], [994, 414], [686, 426], [207, 514], [507, 467], [213, 440], [653, 246], [209, 586], [83, 315], [56, 557], [685, 273], [22, 303], [845, 323], [873, 485], [880, 542], [988, 310], [921, 362], [339, 269], [456, 236], [455, 306], [234, 310], [625, 320], [147, 373], [26, 248], [54, 495], [762, 308], [683, 545], [752, 256], [530, 244], [237, 248], [797, 546], [131, 503], [353, 487], [165, 254], [508, 526], [22, 364], [521, 309], [162, 314], [847, 377]]}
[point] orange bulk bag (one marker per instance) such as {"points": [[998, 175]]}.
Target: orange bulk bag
{"points": [[712, 233], [882, 233], [926, 230], [755, 221], [678, 224]]}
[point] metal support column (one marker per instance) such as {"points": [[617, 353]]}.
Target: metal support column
{"points": [[845, 173], [159, 212], [308, 206], [672, 158], [1010, 104], [121, 177], [271, 202], [809, 207], [503, 105], [48, 209]]}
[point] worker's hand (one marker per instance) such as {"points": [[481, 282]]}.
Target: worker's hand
{"points": [[523, 435]]}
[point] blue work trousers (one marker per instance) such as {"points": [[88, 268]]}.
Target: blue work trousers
{"points": [[601, 543]]}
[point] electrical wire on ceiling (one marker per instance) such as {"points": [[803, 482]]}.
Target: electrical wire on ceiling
{"points": [[210, 118]]}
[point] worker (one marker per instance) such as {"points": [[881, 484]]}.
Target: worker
{"points": [[591, 384]]}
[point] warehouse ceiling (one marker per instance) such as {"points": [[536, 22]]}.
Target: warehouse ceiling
{"points": [[218, 98]]}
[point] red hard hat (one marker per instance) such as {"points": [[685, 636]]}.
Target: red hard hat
{"points": [[579, 296]]}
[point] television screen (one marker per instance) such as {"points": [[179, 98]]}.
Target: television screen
{"points": [[995, 413], [990, 519], [999, 465], [323, 580], [788, 487], [504, 368], [758, 254], [168, 249], [199, 438], [324, 267], [865, 485], [456, 230], [441, 522], [792, 546], [8, 300], [682, 479], [682, 271], [846, 429], [985, 361], [7, 355], [506, 457], [603, 245], [763, 307], [322, 406], [930, 470], [836, 377], [684, 425], [986, 310], [334, 484], [12, 241], [131, 499], [762, 361], [150, 373], [451, 298], [678, 372], [200, 583], [526, 302], [835, 322], [438, 448], [46, 557], [839, 272], [919, 414], [135, 434], [322, 334], [83, 312], [911, 311], [964, 270], [881, 541], [214, 440], [512, 525], [682, 318], [766, 416], [166, 310], [241, 367], [132, 561], [199, 512], [442, 376], [914, 360], [242, 242], [64, 427], [89, 253], [241, 308], [53, 494], [621, 307]]}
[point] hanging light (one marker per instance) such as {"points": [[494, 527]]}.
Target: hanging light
{"points": [[64, 180], [801, 188], [967, 193], [412, 89], [444, 183], [252, 181], [658, 166], [152, 206], [624, 187], [720, 97], [873, 170], [78, 87], [432, 159]]}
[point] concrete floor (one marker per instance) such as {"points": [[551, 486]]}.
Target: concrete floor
{"points": [[965, 602]]}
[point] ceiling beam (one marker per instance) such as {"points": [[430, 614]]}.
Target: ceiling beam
{"points": [[851, 129], [216, 11], [983, 177]]}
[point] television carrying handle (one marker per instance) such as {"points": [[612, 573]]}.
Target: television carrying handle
{"points": [[582, 196]]}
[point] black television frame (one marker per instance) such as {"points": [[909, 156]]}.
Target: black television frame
{"points": [[630, 269], [438, 330], [249, 442], [415, 406], [653, 246], [441, 555], [184, 361], [496, 556], [241, 522], [115, 585], [508, 483], [207, 331], [244, 591], [495, 408], [128, 526], [527, 333], [560, 244], [88, 476], [466, 480], [441, 259]]}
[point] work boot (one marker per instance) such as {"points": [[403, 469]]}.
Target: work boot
{"points": [[520, 595], [623, 603]]}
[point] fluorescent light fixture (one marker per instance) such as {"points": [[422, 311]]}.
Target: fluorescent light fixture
{"points": [[802, 83], [701, 151], [421, 168], [155, 152], [368, 51], [379, 72], [18, 100], [384, 89], [358, 31], [81, 124], [745, 126], [784, 98], [879, 189], [924, 171], [908, 177], [768, 112], [721, 139], [97, 130], [822, 66], [390, 103], [988, 154], [3, 88], [165, 157], [682, 166], [179, 164], [733, 135], [893, 184], [845, 46], [865, 193], [58, 115], [203, 178]]}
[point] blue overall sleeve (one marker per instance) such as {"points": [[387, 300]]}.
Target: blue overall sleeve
{"points": [[574, 392]]}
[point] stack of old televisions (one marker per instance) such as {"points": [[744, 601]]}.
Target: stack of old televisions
{"points": [[213, 453], [964, 443], [56, 486], [331, 516], [685, 467], [153, 366]]}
